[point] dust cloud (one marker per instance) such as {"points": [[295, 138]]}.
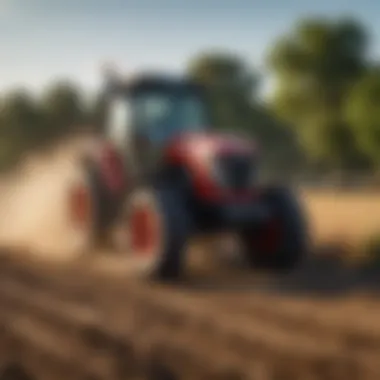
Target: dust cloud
{"points": [[33, 203]]}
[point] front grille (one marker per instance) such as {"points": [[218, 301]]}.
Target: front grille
{"points": [[236, 171]]}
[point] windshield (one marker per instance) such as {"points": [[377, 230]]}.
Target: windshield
{"points": [[162, 115]]}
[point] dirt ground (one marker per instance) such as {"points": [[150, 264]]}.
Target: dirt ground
{"points": [[86, 318], [94, 322], [346, 217]]}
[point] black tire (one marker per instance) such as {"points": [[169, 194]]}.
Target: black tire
{"points": [[290, 239], [165, 258], [106, 205]]}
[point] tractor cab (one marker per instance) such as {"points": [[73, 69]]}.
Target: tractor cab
{"points": [[150, 111]]}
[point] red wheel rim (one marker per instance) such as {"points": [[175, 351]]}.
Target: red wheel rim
{"points": [[80, 206], [144, 230]]}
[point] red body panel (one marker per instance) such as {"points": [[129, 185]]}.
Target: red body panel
{"points": [[196, 151]]}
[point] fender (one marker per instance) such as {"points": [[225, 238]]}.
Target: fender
{"points": [[110, 166]]}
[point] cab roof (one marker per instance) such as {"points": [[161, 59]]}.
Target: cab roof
{"points": [[152, 80]]}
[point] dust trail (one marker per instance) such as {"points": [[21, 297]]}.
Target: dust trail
{"points": [[32, 203]]}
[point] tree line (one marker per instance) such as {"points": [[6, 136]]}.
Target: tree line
{"points": [[323, 115]]}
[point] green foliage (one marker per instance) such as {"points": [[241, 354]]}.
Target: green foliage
{"points": [[28, 123], [363, 113], [230, 84], [64, 108], [20, 118], [315, 66]]}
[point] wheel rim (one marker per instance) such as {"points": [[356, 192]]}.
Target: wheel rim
{"points": [[144, 231]]}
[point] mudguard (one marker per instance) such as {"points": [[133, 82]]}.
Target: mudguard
{"points": [[109, 164]]}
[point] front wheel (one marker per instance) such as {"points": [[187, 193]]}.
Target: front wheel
{"points": [[281, 242], [159, 228]]}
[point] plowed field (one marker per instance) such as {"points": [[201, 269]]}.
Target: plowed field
{"points": [[88, 319]]}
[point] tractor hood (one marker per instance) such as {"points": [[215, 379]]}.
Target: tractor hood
{"points": [[220, 164], [206, 144]]}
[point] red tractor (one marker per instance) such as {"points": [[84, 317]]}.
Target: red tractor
{"points": [[169, 176]]}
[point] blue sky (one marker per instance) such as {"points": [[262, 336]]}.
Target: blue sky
{"points": [[45, 39]]}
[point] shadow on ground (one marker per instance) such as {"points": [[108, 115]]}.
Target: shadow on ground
{"points": [[320, 276]]}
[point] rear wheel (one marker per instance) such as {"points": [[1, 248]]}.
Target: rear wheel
{"points": [[159, 228], [82, 215], [281, 243], [87, 207]]}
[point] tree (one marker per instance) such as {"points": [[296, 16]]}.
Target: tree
{"points": [[315, 65], [230, 85], [362, 111], [64, 109], [20, 125]]}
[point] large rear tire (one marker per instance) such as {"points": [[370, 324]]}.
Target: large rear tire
{"points": [[88, 206], [82, 215], [159, 227], [282, 242]]}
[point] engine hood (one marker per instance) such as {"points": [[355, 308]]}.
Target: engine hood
{"points": [[210, 144]]}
